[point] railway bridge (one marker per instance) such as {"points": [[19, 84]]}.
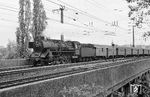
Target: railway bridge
{"points": [[106, 79]]}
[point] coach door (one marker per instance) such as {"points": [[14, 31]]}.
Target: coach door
{"points": [[138, 52], [107, 52], [125, 52], [117, 51], [131, 51]]}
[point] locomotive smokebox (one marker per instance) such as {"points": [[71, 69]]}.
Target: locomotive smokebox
{"points": [[31, 44], [62, 37]]}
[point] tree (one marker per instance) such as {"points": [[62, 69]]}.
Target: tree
{"points": [[39, 19], [18, 41], [22, 33], [25, 28], [3, 52], [11, 50], [139, 13]]}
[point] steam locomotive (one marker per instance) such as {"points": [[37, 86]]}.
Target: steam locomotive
{"points": [[50, 51]]}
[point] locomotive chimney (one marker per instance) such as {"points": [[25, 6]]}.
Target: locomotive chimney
{"points": [[62, 37]]}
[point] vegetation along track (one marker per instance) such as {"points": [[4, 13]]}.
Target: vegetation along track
{"points": [[22, 76]]}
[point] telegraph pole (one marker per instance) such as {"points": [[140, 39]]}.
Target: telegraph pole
{"points": [[133, 33], [133, 36], [61, 9], [62, 14], [113, 45]]}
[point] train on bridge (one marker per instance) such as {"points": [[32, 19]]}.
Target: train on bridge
{"points": [[50, 51]]}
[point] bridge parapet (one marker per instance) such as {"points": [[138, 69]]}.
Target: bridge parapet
{"points": [[94, 83]]}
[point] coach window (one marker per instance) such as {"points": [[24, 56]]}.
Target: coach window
{"points": [[102, 49]]}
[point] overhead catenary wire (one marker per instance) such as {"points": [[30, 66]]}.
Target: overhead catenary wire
{"points": [[6, 20], [90, 15], [85, 26], [54, 2], [69, 23], [73, 19], [98, 5], [79, 11], [76, 20], [82, 12], [3, 13], [13, 10], [8, 9]]}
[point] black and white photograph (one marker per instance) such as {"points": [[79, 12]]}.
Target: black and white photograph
{"points": [[74, 48]]}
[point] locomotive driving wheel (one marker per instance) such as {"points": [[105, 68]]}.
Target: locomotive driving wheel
{"points": [[64, 59]]}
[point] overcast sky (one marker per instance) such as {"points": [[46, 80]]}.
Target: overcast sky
{"points": [[94, 27]]}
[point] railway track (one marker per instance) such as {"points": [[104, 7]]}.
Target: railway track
{"points": [[15, 68], [59, 65], [31, 66], [22, 76]]}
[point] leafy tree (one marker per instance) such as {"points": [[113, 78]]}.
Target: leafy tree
{"points": [[25, 28], [18, 41], [139, 13], [11, 50], [22, 33], [39, 19], [3, 52]]}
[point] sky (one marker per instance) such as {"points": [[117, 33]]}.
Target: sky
{"points": [[93, 21]]}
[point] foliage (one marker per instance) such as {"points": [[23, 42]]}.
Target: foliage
{"points": [[3, 52], [139, 12], [25, 28], [39, 19], [18, 41], [22, 33], [11, 52]]}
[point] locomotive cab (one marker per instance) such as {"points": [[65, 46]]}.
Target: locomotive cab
{"points": [[77, 47]]}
